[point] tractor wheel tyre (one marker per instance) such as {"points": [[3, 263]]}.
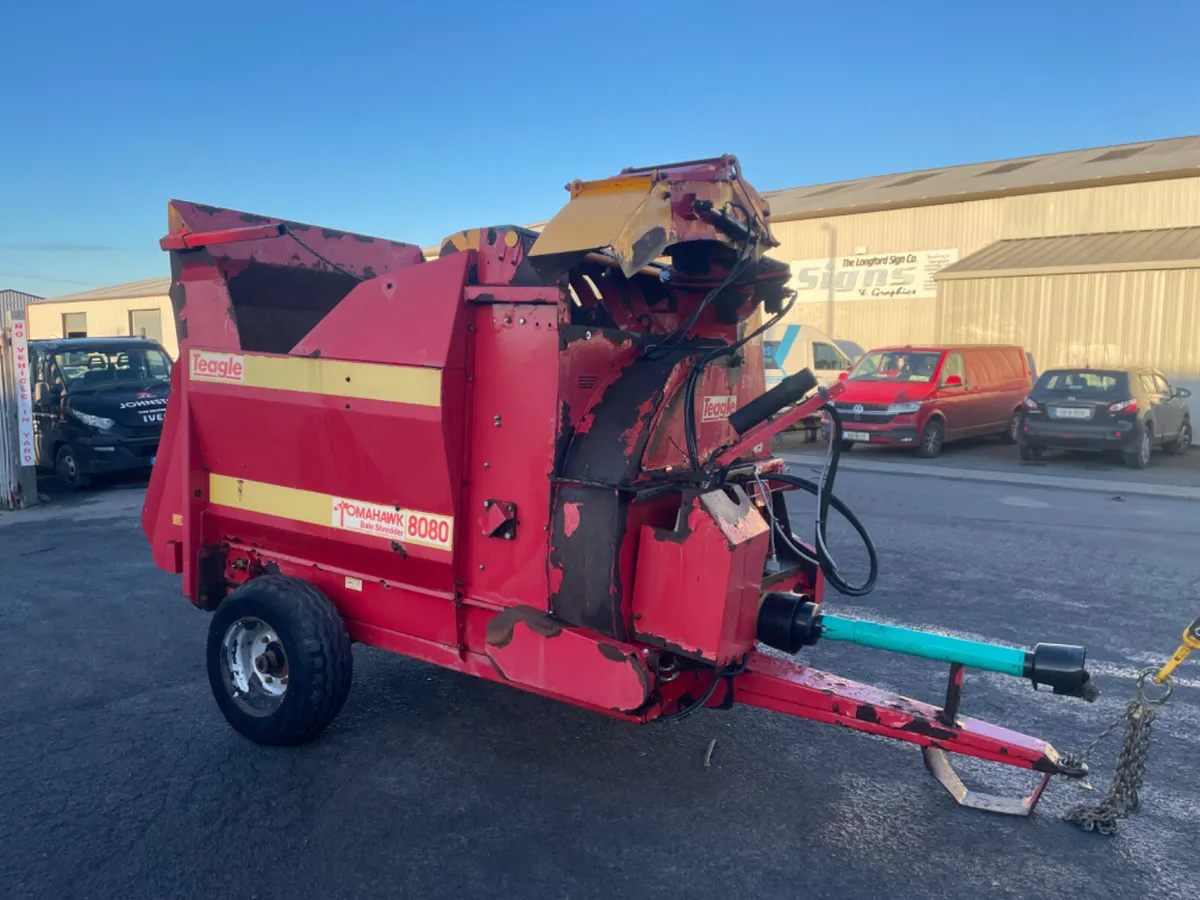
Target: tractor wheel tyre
{"points": [[1013, 432], [279, 660], [933, 435], [1180, 445], [846, 446], [1140, 458], [67, 469], [1029, 454]]}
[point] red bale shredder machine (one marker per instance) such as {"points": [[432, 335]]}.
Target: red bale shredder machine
{"points": [[540, 458]]}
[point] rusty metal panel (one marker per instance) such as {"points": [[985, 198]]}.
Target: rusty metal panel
{"points": [[1097, 319]]}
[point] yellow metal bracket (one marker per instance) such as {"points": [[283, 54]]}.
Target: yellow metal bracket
{"points": [[1191, 641]]}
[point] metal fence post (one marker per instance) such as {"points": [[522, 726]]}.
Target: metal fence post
{"points": [[18, 477]]}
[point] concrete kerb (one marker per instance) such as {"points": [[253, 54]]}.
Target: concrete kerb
{"points": [[1095, 485]]}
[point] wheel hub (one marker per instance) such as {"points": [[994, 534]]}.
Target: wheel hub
{"points": [[254, 665]]}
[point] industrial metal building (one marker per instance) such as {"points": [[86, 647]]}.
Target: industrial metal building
{"points": [[1086, 257], [140, 309], [14, 302]]}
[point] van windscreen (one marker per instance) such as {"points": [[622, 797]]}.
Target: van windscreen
{"points": [[896, 365], [100, 367]]}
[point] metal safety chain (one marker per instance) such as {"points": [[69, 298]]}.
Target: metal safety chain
{"points": [[1122, 797], [1138, 717]]}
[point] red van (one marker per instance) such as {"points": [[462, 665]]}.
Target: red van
{"points": [[922, 397]]}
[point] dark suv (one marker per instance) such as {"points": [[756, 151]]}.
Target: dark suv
{"points": [[98, 404], [1132, 411]]}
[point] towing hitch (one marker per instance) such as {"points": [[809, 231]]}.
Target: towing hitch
{"points": [[790, 622]]}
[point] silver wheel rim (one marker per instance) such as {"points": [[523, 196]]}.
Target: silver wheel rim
{"points": [[1185, 437], [254, 666], [67, 464], [933, 439], [1014, 427], [1144, 449]]}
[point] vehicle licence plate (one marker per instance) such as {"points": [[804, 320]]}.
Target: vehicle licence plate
{"points": [[1070, 412], [856, 435]]}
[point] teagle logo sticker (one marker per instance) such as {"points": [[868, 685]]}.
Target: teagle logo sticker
{"points": [[228, 367], [717, 409]]}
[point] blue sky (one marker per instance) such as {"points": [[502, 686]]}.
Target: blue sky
{"points": [[412, 121]]}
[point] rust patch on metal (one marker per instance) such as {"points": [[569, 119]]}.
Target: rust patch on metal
{"points": [[499, 631]]}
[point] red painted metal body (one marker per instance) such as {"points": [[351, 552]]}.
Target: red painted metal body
{"points": [[698, 583], [481, 459]]}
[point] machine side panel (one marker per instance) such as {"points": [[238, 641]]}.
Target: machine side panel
{"points": [[511, 457], [414, 316], [721, 390], [698, 583], [351, 454]]}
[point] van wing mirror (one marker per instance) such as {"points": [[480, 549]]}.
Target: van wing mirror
{"points": [[842, 376], [953, 381]]}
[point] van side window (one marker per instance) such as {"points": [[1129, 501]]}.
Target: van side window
{"points": [[826, 358], [1011, 368], [1148, 385], [980, 367], [953, 366], [1161, 383]]}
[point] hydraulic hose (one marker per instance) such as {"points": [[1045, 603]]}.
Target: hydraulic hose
{"points": [[829, 567], [823, 491]]}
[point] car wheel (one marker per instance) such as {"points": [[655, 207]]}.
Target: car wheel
{"points": [[279, 660], [1180, 445], [67, 469], [1140, 458], [1013, 432], [933, 435], [1029, 454]]}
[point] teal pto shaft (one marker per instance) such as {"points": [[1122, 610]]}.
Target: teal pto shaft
{"points": [[974, 654]]}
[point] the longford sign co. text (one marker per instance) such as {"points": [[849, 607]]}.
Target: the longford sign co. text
{"points": [[871, 276]]}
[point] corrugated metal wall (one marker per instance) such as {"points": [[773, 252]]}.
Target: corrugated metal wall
{"points": [[14, 301], [967, 226], [1097, 319]]}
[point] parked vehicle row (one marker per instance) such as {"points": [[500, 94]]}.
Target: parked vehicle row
{"points": [[925, 397]]}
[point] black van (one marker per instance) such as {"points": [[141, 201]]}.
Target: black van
{"points": [[98, 404]]}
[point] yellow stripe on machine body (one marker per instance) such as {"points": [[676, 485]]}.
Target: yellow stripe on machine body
{"points": [[270, 499], [417, 385]]}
